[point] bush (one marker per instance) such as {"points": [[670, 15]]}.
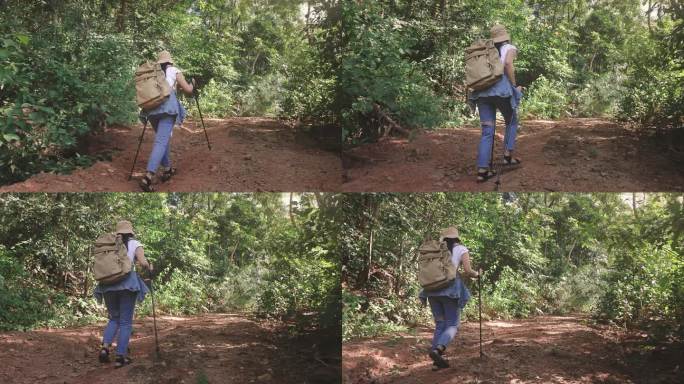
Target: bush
{"points": [[576, 291], [309, 88], [262, 97], [515, 295], [217, 100], [655, 98], [376, 70], [643, 290], [362, 318], [56, 93], [238, 290], [183, 293], [300, 290], [599, 97], [23, 301], [654, 79], [545, 99]]}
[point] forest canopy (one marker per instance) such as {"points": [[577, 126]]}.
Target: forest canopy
{"points": [[67, 68], [402, 60], [618, 258], [271, 254]]}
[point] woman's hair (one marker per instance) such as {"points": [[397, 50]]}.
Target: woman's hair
{"points": [[497, 45], [126, 237], [166, 65], [451, 241]]}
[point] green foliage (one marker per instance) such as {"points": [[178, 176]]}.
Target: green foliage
{"points": [[655, 95], [362, 318], [22, 301], [181, 293], [612, 256], [41, 126], [546, 99], [579, 58], [66, 69], [599, 97], [213, 252], [514, 294], [302, 289], [576, 291], [377, 71]]}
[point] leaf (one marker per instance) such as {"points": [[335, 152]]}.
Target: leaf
{"points": [[10, 136], [23, 39]]}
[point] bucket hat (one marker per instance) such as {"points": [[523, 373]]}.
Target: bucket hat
{"points": [[449, 233], [500, 34], [164, 57], [124, 226]]}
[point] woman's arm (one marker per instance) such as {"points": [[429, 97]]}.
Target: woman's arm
{"points": [[184, 85], [509, 67], [140, 256], [465, 259]]}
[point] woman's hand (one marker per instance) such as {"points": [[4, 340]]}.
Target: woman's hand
{"points": [[479, 273], [145, 264]]}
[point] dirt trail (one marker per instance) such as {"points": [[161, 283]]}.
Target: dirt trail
{"points": [[539, 350], [248, 154], [221, 348], [569, 155]]}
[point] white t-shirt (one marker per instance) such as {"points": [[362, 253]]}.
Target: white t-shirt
{"points": [[457, 253], [132, 246], [171, 75], [504, 51]]}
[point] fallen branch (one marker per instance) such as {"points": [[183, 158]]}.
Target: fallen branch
{"points": [[393, 125]]}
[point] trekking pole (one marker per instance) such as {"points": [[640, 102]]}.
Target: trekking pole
{"points": [[479, 295], [154, 316], [138, 150], [499, 171], [202, 119]]}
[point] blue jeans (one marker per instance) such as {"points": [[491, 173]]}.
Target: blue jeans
{"points": [[161, 151], [487, 107], [120, 305], [447, 315]]}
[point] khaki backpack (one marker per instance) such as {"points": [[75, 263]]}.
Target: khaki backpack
{"points": [[111, 259], [435, 269], [483, 67], [151, 88]]}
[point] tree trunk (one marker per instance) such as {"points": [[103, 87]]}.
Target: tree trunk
{"points": [[290, 211], [121, 20], [232, 254], [86, 277]]}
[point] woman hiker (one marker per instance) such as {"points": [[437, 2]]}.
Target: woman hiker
{"points": [[120, 299], [504, 96], [163, 118], [447, 304]]}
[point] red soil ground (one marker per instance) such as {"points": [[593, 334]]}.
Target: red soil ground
{"points": [[248, 155], [561, 350], [588, 155], [221, 348]]}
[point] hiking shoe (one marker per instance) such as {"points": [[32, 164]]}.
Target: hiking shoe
{"points": [[438, 360], [104, 355], [168, 174], [146, 184], [483, 176], [121, 361], [510, 160]]}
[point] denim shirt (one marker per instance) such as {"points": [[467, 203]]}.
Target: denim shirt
{"points": [[457, 290], [502, 88], [132, 283], [170, 107]]}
